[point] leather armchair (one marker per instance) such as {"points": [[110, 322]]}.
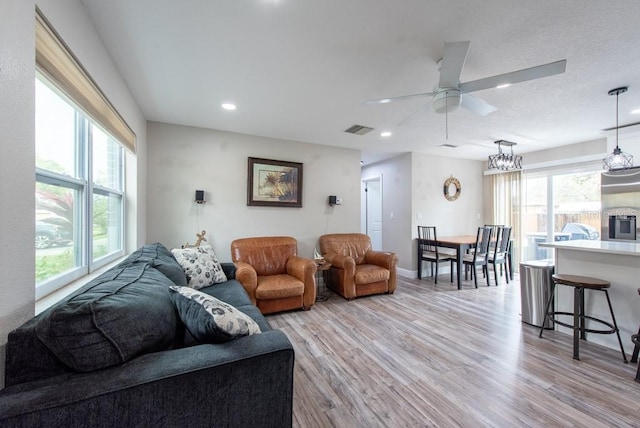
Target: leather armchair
{"points": [[275, 278], [357, 270]]}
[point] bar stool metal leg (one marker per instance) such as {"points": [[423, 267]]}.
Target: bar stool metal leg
{"points": [[636, 349], [583, 317], [546, 309], [615, 325], [578, 320]]}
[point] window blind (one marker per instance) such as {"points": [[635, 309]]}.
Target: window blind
{"points": [[54, 59]]}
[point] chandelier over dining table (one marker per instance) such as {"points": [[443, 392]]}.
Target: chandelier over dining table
{"points": [[505, 161]]}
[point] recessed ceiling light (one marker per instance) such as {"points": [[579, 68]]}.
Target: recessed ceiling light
{"points": [[635, 111], [385, 134], [228, 106], [386, 100], [503, 85]]}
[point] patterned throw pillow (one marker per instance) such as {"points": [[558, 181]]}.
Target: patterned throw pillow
{"points": [[201, 266], [210, 320]]}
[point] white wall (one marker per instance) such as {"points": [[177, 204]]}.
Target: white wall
{"points": [[396, 206], [431, 208], [17, 179], [17, 139], [573, 153], [183, 159]]}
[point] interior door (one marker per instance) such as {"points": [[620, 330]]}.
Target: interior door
{"points": [[372, 210]]}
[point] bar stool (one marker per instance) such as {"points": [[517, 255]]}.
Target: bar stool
{"points": [[636, 349], [579, 284]]}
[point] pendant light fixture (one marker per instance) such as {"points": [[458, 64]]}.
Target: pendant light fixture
{"points": [[505, 161], [617, 159]]}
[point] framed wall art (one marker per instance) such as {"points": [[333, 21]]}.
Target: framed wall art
{"points": [[274, 183]]}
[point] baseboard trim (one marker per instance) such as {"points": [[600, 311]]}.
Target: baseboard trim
{"points": [[413, 274]]}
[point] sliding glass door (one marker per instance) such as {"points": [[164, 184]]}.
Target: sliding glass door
{"points": [[559, 205]]}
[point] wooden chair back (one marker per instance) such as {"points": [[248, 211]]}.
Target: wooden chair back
{"points": [[427, 240], [482, 241]]}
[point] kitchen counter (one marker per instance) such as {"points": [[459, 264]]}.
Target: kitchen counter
{"points": [[615, 261], [627, 248]]}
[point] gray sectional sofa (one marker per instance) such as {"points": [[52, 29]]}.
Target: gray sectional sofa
{"points": [[117, 353]]}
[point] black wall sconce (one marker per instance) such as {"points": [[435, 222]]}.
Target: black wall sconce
{"points": [[335, 200], [199, 197]]}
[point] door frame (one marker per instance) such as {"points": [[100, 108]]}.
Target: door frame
{"points": [[365, 209]]}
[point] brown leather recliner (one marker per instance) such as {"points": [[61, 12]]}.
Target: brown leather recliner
{"points": [[275, 278], [357, 270]]}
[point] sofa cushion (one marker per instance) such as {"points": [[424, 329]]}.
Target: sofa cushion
{"points": [[201, 266], [123, 313], [158, 256], [209, 319], [366, 274], [278, 287], [232, 293]]}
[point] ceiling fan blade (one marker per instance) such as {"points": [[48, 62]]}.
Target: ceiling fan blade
{"points": [[455, 54], [476, 105], [394, 99], [523, 75], [412, 115]]}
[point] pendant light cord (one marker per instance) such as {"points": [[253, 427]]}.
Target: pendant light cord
{"points": [[617, 126], [617, 92]]}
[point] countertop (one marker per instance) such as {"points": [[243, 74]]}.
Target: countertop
{"points": [[627, 248]]}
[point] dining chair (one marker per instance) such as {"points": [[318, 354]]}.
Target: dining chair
{"points": [[508, 267], [429, 252], [494, 228], [494, 232], [480, 256], [499, 251]]}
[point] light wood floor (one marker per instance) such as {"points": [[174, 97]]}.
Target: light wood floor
{"points": [[432, 355]]}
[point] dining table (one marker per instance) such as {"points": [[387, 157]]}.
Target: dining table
{"points": [[461, 243]]}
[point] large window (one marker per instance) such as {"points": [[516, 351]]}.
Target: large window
{"points": [[79, 191], [560, 205]]}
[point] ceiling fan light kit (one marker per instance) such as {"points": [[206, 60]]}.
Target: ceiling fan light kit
{"points": [[505, 161], [446, 101], [617, 159]]}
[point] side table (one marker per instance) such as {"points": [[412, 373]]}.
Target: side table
{"points": [[322, 293]]}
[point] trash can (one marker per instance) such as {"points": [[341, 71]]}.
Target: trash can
{"points": [[535, 289]]}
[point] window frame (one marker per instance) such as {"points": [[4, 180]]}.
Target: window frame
{"points": [[550, 174], [84, 263], [59, 70]]}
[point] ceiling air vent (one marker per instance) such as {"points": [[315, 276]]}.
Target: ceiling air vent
{"points": [[450, 146], [358, 129]]}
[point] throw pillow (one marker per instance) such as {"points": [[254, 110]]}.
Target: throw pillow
{"points": [[201, 266], [209, 319]]}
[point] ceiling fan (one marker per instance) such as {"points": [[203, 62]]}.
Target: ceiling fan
{"points": [[450, 93]]}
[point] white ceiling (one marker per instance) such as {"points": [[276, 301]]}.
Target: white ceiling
{"points": [[299, 69]]}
